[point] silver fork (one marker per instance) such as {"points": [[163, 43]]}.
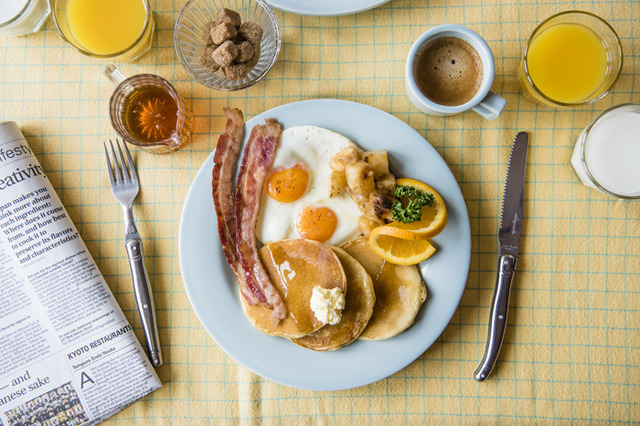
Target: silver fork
{"points": [[125, 187]]}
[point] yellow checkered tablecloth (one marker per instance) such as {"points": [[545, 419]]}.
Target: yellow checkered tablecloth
{"points": [[572, 348]]}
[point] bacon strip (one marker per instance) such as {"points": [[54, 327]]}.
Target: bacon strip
{"points": [[256, 160], [224, 160]]}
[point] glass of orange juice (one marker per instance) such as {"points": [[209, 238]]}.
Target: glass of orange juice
{"points": [[115, 29], [571, 59]]}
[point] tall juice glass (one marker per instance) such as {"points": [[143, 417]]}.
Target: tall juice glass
{"points": [[571, 59], [114, 29]]}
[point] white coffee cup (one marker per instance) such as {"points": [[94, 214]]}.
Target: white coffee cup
{"points": [[484, 102]]}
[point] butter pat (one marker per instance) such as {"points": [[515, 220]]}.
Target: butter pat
{"points": [[327, 304]]}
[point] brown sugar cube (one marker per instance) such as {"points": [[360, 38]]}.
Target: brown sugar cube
{"points": [[251, 32], [235, 71], [225, 53], [207, 61], [223, 32], [206, 32], [228, 15], [254, 60], [245, 51]]}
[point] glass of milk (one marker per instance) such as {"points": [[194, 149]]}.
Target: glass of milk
{"points": [[607, 153], [21, 17]]}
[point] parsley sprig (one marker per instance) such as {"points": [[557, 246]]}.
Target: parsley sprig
{"points": [[415, 201]]}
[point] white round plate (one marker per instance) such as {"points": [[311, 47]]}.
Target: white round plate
{"points": [[212, 287], [325, 7]]}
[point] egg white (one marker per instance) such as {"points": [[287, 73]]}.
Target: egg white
{"points": [[312, 147]]}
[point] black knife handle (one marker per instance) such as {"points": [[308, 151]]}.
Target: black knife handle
{"points": [[498, 316]]}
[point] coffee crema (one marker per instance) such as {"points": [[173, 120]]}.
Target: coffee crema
{"points": [[448, 71]]}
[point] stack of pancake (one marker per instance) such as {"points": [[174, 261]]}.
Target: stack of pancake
{"points": [[381, 299]]}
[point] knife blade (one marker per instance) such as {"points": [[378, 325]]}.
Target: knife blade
{"points": [[509, 240]]}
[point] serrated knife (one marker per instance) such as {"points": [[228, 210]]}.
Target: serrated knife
{"points": [[509, 240]]}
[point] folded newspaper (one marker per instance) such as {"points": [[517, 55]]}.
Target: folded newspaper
{"points": [[67, 353]]}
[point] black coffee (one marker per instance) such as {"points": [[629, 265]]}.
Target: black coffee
{"points": [[448, 71]]}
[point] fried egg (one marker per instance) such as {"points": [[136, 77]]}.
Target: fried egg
{"points": [[295, 201]]}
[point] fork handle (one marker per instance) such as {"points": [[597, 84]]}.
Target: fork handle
{"points": [[144, 299]]}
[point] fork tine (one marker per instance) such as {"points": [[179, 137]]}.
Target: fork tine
{"points": [[123, 164], [118, 172], [109, 168], [132, 167]]}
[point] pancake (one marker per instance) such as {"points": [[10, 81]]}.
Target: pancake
{"points": [[359, 302], [295, 267], [399, 290]]}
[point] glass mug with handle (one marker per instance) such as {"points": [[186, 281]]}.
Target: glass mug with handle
{"points": [[147, 111], [572, 59]]}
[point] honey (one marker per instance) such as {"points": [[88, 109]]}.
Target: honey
{"points": [[150, 114]]}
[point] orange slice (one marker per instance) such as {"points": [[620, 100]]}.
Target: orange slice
{"points": [[399, 251], [433, 220]]}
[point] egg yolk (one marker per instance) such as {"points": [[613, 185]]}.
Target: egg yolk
{"points": [[287, 185], [317, 223]]}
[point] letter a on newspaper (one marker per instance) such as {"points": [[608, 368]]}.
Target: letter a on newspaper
{"points": [[67, 353]]}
